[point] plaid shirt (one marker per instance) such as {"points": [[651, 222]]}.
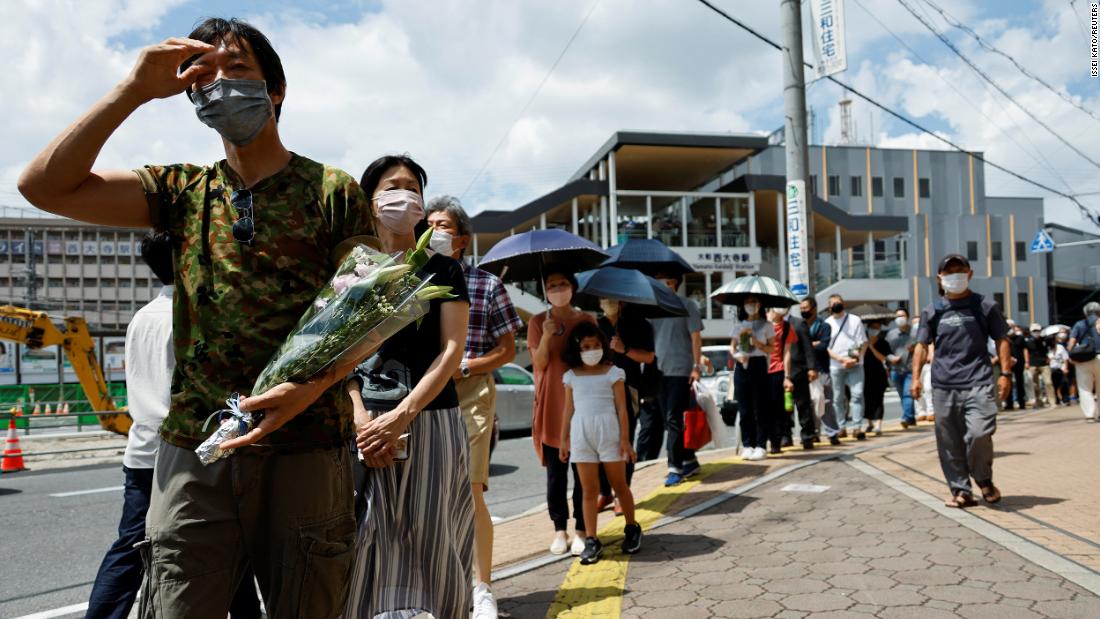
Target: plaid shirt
{"points": [[491, 312]]}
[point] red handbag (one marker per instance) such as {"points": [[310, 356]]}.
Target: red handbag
{"points": [[696, 428]]}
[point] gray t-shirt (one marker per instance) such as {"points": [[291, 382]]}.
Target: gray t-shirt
{"points": [[899, 342], [672, 341], [962, 356]]}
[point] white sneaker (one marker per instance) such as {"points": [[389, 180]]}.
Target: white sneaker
{"points": [[578, 546], [560, 543], [758, 454], [746, 453], [485, 607]]}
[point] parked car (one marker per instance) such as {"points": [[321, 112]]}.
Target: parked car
{"points": [[515, 397], [720, 376]]}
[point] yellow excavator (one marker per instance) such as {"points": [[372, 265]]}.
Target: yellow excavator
{"points": [[36, 330]]}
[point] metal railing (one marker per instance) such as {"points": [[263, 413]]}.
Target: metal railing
{"points": [[26, 420]]}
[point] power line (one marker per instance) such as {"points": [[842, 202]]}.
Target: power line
{"points": [[535, 94], [1094, 218], [946, 41], [1038, 156], [955, 23]]}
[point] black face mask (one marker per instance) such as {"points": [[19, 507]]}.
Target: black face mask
{"points": [[837, 308], [807, 315]]}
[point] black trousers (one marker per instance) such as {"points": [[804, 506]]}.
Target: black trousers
{"points": [[774, 427], [557, 487], [753, 393], [651, 429], [803, 405], [632, 419], [675, 400], [1060, 382], [1018, 385]]}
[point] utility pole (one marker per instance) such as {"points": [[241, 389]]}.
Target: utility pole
{"points": [[800, 221]]}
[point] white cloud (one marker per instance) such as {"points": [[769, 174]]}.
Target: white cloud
{"points": [[442, 81]]}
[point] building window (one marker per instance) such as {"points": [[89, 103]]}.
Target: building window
{"points": [[995, 249], [899, 187], [834, 185], [813, 185], [857, 186], [1021, 301], [125, 283], [876, 186], [971, 250], [1021, 251], [999, 299], [924, 188]]}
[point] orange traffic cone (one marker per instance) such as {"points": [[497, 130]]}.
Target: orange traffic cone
{"points": [[49, 411], [65, 409], [37, 409], [13, 455]]}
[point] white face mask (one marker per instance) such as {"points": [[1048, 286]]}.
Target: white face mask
{"points": [[955, 283], [591, 357], [780, 311], [901, 321], [751, 308], [873, 332], [442, 242], [560, 298]]}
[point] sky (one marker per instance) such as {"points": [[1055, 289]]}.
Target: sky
{"points": [[451, 82]]}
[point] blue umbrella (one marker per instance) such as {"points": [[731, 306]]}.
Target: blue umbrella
{"points": [[650, 298], [521, 257], [649, 256]]}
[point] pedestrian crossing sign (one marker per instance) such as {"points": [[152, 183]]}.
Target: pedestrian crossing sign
{"points": [[1042, 243]]}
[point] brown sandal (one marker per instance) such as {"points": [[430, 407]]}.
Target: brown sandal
{"points": [[961, 500], [991, 494]]}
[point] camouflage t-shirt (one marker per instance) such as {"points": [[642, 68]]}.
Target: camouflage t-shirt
{"points": [[236, 303]]}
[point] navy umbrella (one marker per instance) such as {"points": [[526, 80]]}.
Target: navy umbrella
{"points": [[649, 298], [522, 257], [649, 256]]}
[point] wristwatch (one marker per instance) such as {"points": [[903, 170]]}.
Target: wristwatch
{"points": [[464, 370]]}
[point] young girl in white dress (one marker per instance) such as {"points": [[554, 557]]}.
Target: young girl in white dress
{"points": [[595, 432]]}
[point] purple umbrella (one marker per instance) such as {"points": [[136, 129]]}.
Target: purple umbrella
{"points": [[522, 257]]}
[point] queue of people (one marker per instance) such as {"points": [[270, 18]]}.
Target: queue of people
{"points": [[360, 493]]}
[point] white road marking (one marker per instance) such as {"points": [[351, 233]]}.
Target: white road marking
{"points": [[814, 488], [57, 612], [92, 491]]}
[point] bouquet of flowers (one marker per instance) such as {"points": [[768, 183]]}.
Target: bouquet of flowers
{"points": [[371, 297]]}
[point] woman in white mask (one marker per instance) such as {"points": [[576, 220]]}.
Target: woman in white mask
{"points": [[547, 335], [410, 433], [752, 342]]}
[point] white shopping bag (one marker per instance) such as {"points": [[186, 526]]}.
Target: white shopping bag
{"points": [[817, 396], [721, 435]]}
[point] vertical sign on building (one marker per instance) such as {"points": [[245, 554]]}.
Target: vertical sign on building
{"points": [[798, 274], [830, 53]]}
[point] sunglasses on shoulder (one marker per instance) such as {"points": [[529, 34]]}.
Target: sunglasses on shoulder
{"points": [[244, 229]]}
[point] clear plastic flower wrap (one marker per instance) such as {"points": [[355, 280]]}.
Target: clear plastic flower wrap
{"points": [[371, 297]]}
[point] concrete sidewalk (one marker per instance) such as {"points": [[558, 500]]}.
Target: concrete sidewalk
{"points": [[861, 537]]}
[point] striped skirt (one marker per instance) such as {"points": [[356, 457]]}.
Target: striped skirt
{"points": [[415, 548]]}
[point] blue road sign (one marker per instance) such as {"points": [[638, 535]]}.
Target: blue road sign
{"points": [[1042, 243]]}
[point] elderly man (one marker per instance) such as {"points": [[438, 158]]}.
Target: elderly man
{"points": [[490, 343], [846, 348]]}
